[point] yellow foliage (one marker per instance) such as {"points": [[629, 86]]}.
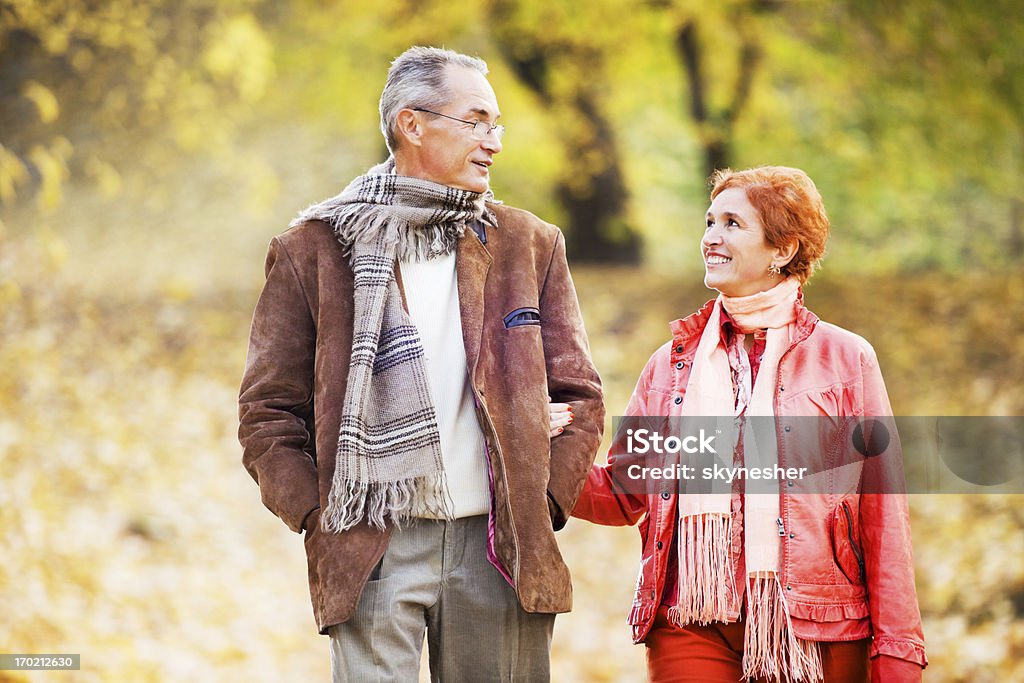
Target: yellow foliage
{"points": [[239, 51], [9, 293], [178, 290], [12, 174], [54, 247], [51, 164], [82, 60], [107, 179], [44, 100]]}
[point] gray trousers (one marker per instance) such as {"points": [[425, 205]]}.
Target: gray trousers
{"points": [[435, 576]]}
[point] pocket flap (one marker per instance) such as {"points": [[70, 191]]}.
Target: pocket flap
{"points": [[523, 316], [846, 549]]}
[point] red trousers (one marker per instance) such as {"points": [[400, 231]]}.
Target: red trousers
{"points": [[714, 654]]}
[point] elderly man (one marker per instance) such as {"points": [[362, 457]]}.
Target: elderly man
{"points": [[403, 353]]}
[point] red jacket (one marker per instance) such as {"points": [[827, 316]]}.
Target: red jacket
{"points": [[846, 559]]}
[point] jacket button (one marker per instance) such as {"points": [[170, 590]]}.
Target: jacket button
{"points": [[792, 535], [791, 483], [786, 428], [677, 400], [679, 365], [789, 588], [679, 349], [658, 545], [665, 495]]}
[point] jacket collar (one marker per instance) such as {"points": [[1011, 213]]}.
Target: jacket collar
{"points": [[481, 224], [686, 331], [472, 262]]}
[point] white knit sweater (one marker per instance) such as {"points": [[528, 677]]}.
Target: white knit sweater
{"points": [[432, 294]]}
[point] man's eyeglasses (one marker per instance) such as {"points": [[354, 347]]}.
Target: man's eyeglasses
{"points": [[481, 129]]}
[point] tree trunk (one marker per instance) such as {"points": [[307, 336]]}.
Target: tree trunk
{"points": [[594, 193], [592, 188], [715, 128]]}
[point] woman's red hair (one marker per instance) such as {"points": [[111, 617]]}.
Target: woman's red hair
{"points": [[790, 208]]}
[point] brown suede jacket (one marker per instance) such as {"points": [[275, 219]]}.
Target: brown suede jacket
{"points": [[296, 373]]}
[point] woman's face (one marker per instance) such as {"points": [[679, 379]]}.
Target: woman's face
{"points": [[736, 255]]}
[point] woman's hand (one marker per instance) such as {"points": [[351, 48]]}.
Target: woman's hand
{"points": [[561, 417]]}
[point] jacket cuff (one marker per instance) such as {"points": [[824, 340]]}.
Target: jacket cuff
{"points": [[558, 518], [288, 486], [894, 670], [909, 651], [307, 521]]}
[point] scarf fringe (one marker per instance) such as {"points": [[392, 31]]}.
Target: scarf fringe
{"points": [[709, 590], [356, 223], [399, 501], [770, 648]]}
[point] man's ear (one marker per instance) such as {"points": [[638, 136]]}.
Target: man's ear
{"points": [[785, 253], [409, 127]]}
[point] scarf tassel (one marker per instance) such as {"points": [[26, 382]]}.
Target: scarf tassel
{"points": [[394, 501], [709, 590], [770, 648]]}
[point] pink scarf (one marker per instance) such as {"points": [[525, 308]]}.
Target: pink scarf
{"points": [[707, 590]]}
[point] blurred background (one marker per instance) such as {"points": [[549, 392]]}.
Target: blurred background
{"points": [[149, 149]]}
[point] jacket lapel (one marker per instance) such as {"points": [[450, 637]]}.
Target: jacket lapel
{"points": [[472, 261]]}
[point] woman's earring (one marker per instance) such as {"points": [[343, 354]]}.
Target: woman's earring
{"points": [[774, 270]]}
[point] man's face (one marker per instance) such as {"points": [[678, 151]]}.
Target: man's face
{"points": [[448, 153]]}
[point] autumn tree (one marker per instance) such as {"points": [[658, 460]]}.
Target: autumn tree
{"points": [[720, 51], [87, 87], [557, 51], [942, 108]]}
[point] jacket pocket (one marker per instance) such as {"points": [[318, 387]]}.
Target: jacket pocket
{"points": [[644, 593], [375, 574], [527, 315], [846, 548]]}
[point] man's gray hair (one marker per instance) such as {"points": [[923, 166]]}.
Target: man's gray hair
{"points": [[417, 79]]}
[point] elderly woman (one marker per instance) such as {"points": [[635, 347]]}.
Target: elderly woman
{"points": [[795, 585]]}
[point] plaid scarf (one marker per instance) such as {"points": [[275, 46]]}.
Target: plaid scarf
{"points": [[389, 449]]}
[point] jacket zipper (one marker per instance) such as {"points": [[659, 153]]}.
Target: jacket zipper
{"points": [[856, 550]]}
